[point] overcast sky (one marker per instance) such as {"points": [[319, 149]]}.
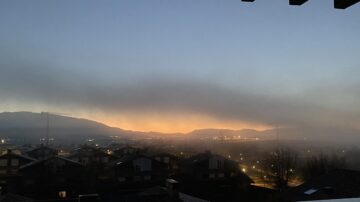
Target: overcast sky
{"points": [[179, 65]]}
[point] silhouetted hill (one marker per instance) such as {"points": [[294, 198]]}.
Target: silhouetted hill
{"points": [[31, 127], [28, 127]]}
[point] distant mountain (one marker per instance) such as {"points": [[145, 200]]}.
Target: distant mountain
{"points": [[28, 127], [31, 127]]}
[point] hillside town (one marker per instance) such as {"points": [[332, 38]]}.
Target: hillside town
{"points": [[123, 172]]}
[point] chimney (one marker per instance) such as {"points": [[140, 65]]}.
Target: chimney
{"points": [[172, 187]]}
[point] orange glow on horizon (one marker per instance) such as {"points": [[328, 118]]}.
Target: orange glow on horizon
{"points": [[175, 123]]}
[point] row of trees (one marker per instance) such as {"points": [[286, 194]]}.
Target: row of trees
{"points": [[283, 165]]}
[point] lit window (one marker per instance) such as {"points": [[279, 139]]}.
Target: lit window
{"points": [[62, 194]]}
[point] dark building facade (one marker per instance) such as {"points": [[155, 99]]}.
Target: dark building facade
{"points": [[54, 177]]}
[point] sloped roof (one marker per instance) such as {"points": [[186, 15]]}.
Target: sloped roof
{"points": [[12, 154], [42, 147], [154, 191], [9, 197], [48, 159], [202, 157], [86, 150], [164, 154], [129, 158], [338, 183]]}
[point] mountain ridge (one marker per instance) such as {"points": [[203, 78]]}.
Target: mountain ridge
{"points": [[33, 125]]}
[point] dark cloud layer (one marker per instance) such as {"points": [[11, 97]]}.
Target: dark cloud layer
{"points": [[66, 87]]}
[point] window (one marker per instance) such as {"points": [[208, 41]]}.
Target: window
{"points": [[216, 163], [29, 182], [14, 162], [221, 175], [75, 159], [62, 194], [3, 162], [2, 171], [219, 164], [147, 177], [121, 179], [142, 164], [137, 178], [85, 160], [60, 180], [211, 175]]}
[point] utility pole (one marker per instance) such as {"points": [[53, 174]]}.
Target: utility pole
{"points": [[277, 135], [47, 129], [48, 125]]}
